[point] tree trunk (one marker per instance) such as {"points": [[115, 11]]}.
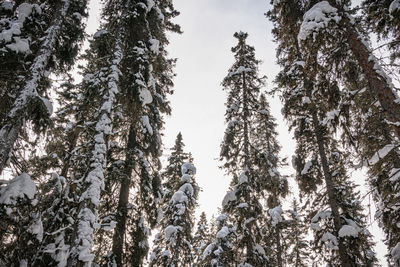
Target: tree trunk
{"points": [[12, 126], [93, 181], [330, 188], [379, 84], [122, 212]]}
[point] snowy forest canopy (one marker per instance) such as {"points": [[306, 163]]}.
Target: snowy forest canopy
{"points": [[83, 180]]}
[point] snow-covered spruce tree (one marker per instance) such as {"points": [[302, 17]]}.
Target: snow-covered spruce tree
{"points": [[173, 244], [36, 39], [373, 140], [346, 40], [241, 157], [146, 84], [266, 152], [311, 99], [137, 55], [352, 63], [21, 228], [200, 239], [101, 77], [171, 175], [299, 249], [220, 252]]}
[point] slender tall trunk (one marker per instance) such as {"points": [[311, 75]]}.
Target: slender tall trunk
{"points": [[122, 212], [278, 236], [330, 188], [246, 144], [379, 84], [11, 129], [93, 181]]}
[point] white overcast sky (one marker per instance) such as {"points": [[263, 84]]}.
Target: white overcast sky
{"points": [[204, 56]]}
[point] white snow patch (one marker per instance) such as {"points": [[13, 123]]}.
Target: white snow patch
{"points": [[7, 5], [275, 214], [259, 249], [166, 253], [185, 178], [145, 96], [100, 33], [146, 123], [243, 178], [36, 228], [6, 35], [188, 168], [179, 197], [306, 168], [395, 5], [394, 175], [242, 205], [324, 214], [170, 231], [223, 232], [47, 104], [348, 230], [330, 240], [19, 187], [24, 11], [318, 17], [154, 46], [20, 45], [187, 188], [229, 197], [395, 252], [380, 154]]}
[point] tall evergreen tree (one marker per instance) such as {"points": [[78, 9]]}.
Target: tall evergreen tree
{"points": [[173, 244], [220, 252], [127, 81], [266, 149], [299, 249], [36, 39], [352, 63], [311, 102], [200, 239], [248, 156]]}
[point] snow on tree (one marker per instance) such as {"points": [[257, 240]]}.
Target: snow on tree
{"points": [[377, 149], [21, 227], [248, 155], [220, 252], [35, 40], [368, 92], [146, 84], [298, 249], [382, 18], [173, 244], [200, 239], [342, 26], [312, 100]]}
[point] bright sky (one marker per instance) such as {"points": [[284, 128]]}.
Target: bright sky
{"points": [[204, 56]]}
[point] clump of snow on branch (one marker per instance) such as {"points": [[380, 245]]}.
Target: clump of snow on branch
{"points": [[317, 18], [276, 215], [380, 154], [394, 6], [348, 230], [395, 253], [18, 188], [188, 168], [10, 34], [229, 197], [239, 70], [330, 241]]}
